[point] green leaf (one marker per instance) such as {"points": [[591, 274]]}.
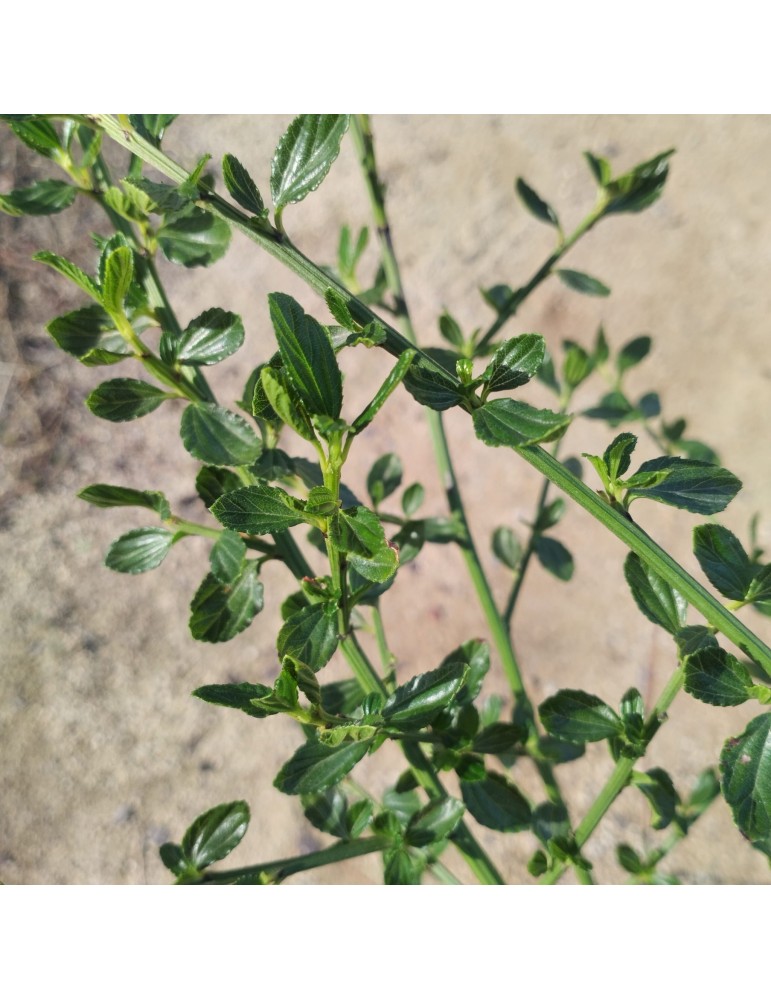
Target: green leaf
{"points": [[215, 834], [618, 455], [42, 198], [307, 355], [716, 677], [640, 187], [435, 821], [310, 635], [581, 282], [139, 550], [172, 857], [554, 557], [384, 478], [393, 380], [431, 386], [412, 498], [550, 515], [241, 187], [576, 366], [498, 738], [218, 612], [401, 867], [70, 271], [516, 424], [656, 785], [275, 397], [218, 436], [451, 331], [759, 592], [496, 803], [722, 557], [152, 127], [239, 696], [359, 533], [745, 767], [417, 702], [257, 510], [209, 338], [515, 362], [316, 766], [327, 811], [194, 238], [476, 655], [39, 134], [227, 556], [211, 483], [632, 354], [600, 167], [629, 859], [123, 399], [304, 155], [536, 205], [579, 717], [118, 273], [506, 547], [658, 601], [614, 408], [698, 487], [89, 334], [102, 495]]}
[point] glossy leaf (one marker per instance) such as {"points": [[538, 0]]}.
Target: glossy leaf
{"points": [[218, 612], [316, 766], [38, 134], [581, 282], [698, 487], [554, 557], [475, 654], [632, 354], [722, 557], [275, 398], [496, 803], [210, 337], [152, 127], [656, 785], [211, 483], [117, 275], [139, 550], [227, 556], [515, 362], [359, 533], [412, 498], [304, 155], [215, 834], [450, 330], [431, 386], [241, 187], [42, 198], [639, 187], [384, 478], [307, 355], [257, 510], [536, 205], [402, 867], [218, 436], [194, 238], [579, 717], [435, 821], [327, 811], [576, 366], [512, 423], [716, 677], [71, 271], [310, 635], [123, 399], [239, 696], [498, 738], [102, 495], [657, 599], [618, 455], [89, 334], [745, 767], [600, 168], [417, 702]]}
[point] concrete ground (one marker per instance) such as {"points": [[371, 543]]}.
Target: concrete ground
{"points": [[105, 754]]}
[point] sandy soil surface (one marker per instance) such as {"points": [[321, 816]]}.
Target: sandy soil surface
{"points": [[105, 754]]}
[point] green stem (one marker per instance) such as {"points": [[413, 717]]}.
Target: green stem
{"points": [[395, 343], [518, 297], [621, 774], [279, 870]]}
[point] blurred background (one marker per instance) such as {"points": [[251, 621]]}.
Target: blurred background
{"points": [[105, 754]]}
